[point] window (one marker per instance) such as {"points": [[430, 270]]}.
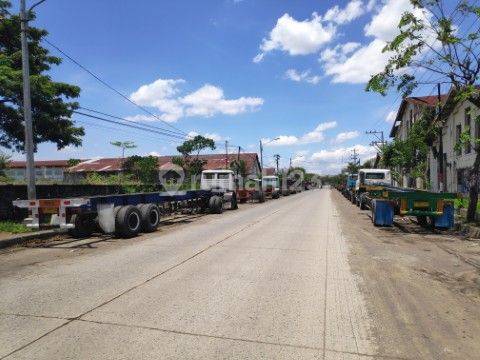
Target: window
{"points": [[375, 176], [223, 176], [209, 176], [457, 140], [468, 127]]}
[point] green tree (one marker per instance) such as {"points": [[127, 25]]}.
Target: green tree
{"points": [[190, 151], [410, 155], [4, 160], [435, 44], [73, 162], [239, 167], [51, 110], [143, 169]]}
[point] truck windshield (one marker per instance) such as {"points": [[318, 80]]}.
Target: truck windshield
{"points": [[223, 176], [375, 176]]}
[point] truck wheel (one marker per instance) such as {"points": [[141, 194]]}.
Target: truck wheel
{"points": [[84, 226], [362, 205], [275, 195], [261, 197], [150, 217], [422, 220], [128, 221], [373, 213], [233, 202], [216, 204]]}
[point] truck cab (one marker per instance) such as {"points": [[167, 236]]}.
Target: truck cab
{"points": [[373, 177], [218, 180], [271, 186]]}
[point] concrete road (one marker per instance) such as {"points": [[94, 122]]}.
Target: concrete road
{"points": [[269, 281]]}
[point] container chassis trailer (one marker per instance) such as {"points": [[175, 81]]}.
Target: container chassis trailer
{"points": [[434, 209], [125, 215]]}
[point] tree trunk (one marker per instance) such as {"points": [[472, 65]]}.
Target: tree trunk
{"points": [[474, 185]]}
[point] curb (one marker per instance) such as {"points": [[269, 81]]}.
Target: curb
{"points": [[23, 238]]}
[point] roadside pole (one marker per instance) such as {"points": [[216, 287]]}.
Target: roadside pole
{"points": [[27, 105]]}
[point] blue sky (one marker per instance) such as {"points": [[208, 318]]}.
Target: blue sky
{"points": [[240, 70]]}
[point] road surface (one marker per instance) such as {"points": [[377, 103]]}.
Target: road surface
{"points": [[285, 279]]}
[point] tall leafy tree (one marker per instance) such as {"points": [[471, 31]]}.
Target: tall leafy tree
{"points": [[52, 104], [430, 40], [190, 151]]}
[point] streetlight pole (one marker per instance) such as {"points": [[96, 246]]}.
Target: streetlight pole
{"points": [[261, 152], [27, 105]]}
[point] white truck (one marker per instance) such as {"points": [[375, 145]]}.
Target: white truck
{"points": [[223, 184], [271, 186], [368, 178]]}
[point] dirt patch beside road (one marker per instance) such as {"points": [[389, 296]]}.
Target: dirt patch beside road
{"points": [[422, 290]]}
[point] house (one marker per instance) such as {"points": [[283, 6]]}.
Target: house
{"points": [[449, 164], [50, 170], [112, 166], [269, 171], [410, 111]]}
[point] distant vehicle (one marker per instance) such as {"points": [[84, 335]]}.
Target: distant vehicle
{"points": [[373, 177], [368, 180], [223, 183], [271, 186]]}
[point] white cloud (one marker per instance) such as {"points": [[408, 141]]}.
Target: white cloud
{"points": [[353, 10], [207, 101], [345, 136], [297, 37], [153, 153], [214, 136], [358, 66], [314, 136], [335, 155], [384, 25], [391, 116], [305, 76], [300, 158]]}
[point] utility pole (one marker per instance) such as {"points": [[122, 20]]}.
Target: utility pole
{"points": [[441, 173], [277, 159], [290, 166], [27, 105], [355, 157], [261, 157], [226, 154], [380, 139]]}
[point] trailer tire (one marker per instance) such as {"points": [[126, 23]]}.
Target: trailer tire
{"points": [[362, 205], [150, 217], [84, 226], [128, 221], [261, 197], [275, 195], [216, 204], [234, 202]]}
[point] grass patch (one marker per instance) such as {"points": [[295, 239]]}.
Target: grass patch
{"points": [[13, 227]]}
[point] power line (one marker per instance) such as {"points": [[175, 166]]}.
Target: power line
{"points": [[139, 127], [164, 131], [110, 86]]}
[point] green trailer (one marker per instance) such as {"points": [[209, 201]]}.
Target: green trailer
{"points": [[429, 207]]}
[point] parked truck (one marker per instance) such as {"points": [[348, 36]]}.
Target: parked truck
{"points": [[374, 191], [271, 186], [126, 215]]}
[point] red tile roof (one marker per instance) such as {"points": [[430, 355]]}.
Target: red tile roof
{"points": [[214, 162], [268, 171], [39, 163], [429, 101]]}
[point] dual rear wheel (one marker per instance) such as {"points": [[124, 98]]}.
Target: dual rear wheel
{"points": [[130, 220]]}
